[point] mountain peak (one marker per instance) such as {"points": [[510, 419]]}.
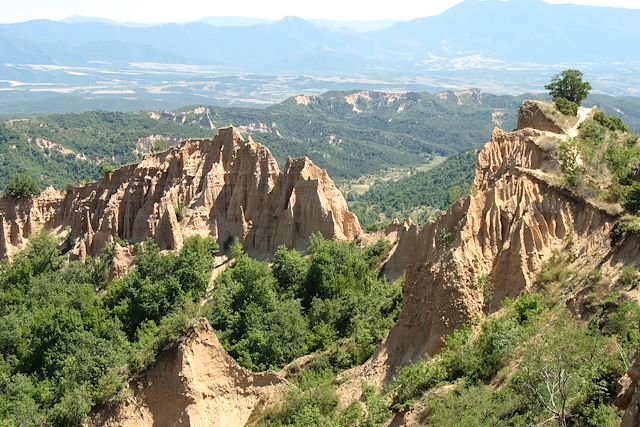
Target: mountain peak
{"points": [[294, 20]]}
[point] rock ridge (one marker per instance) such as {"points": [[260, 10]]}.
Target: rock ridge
{"points": [[513, 221], [196, 383], [221, 187]]}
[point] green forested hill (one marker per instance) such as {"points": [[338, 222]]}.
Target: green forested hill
{"points": [[348, 133], [418, 195], [63, 149], [351, 134], [358, 133]]}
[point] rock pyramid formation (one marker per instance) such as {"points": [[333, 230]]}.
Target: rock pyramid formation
{"points": [[196, 383], [221, 187], [515, 218]]}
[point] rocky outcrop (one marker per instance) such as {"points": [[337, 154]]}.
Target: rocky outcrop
{"points": [[406, 235], [532, 115], [196, 383], [471, 96], [222, 187], [498, 237], [629, 397]]}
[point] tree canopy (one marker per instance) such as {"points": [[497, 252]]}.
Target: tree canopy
{"points": [[22, 186], [569, 85]]}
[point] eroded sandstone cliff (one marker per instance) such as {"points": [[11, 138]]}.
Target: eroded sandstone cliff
{"points": [[223, 187], [498, 237], [196, 383]]}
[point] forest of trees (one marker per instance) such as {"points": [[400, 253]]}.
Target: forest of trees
{"points": [[418, 196], [71, 338]]}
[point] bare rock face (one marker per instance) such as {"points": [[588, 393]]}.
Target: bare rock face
{"points": [[402, 253], [629, 397], [196, 383], [222, 187], [500, 235], [532, 116]]}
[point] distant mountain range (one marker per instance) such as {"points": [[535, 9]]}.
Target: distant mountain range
{"points": [[476, 33], [500, 46], [244, 21]]}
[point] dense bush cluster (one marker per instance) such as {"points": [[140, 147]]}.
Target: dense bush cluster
{"points": [[611, 123], [566, 107], [22, 186], [329, 300], [70, 338], [66, 345], [565, 372]]}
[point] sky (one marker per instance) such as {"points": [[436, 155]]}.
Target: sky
{"points": [[155, 11]]}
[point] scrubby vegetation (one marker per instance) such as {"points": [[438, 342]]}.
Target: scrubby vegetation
{"points": [[106, 169], [566, 107], [69, 339], [567, 370], [601, 162], [531, 363], [330, 301], [22, 186]]}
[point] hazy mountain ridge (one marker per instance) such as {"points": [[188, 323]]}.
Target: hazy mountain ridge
{"points": [[552, 34]]}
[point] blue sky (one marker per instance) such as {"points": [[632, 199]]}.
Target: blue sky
{"points": [[153, 11]]}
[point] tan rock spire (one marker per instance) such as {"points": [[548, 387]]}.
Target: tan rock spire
{"points": [[224, 187]]}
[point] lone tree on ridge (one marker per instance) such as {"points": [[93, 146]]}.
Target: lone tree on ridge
{"points": [[569, 85]]}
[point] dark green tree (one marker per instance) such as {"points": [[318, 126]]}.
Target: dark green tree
{"points": [[569, 85], [22, 186], [106, 169]]}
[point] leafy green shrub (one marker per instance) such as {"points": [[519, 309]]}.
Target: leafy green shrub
{"points": [[571, 171], [527, 307], [611, 123], [375, 254], [477, 406], [629, 277], [290, 269], [631, 199], [106, 169], [624, 323], [312, 403], [150, 338], [623, 228], [180, 211], [22, 186], [445, 235], [554, 270], [412, 381], [566, 107], [377, 226], [485, 284], [72, 409]]}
